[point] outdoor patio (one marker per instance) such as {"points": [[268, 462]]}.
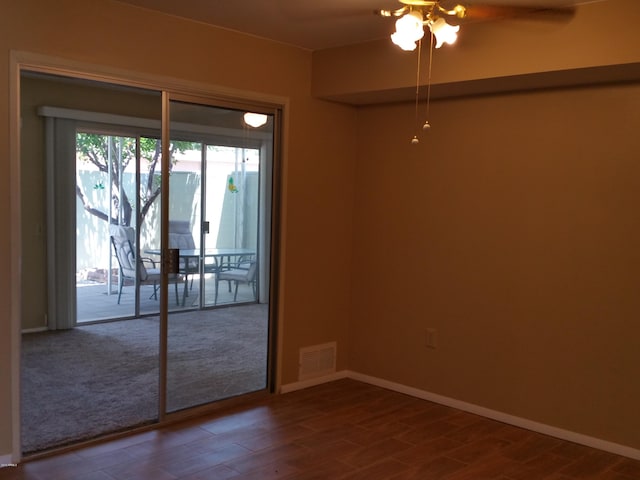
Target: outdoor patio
{"points": [[95, 303]]}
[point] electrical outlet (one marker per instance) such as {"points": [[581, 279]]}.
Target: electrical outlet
{"points": [[431, 338]]}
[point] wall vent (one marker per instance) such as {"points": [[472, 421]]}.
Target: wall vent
{"points": [[317, 361]]}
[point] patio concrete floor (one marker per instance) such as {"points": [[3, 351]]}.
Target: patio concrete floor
{"points": [[94, 302]]}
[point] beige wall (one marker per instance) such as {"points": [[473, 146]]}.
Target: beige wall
{"points": [[320, 142], [513, 229]]}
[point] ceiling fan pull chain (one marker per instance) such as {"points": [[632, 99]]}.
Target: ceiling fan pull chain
{"points": [[415, 140], [426, 125]]}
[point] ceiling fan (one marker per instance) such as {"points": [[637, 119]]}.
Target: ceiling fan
{"points": [[413, 15]]}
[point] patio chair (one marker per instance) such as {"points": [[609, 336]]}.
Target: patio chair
{"points": [[122, 239], [180, 235], [242, 272]]}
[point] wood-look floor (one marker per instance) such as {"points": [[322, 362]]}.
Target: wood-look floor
{"points": [[341, 430]]}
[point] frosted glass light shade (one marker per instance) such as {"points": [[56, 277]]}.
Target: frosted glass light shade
{"points": [[409, 30], [444, 32]]}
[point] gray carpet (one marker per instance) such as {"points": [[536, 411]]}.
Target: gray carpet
{"points": [[81, 383]]}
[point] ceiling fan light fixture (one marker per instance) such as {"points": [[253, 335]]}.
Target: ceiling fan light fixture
{"points": [[443, 32], [459, 11], [255, 120], [409, 29]]}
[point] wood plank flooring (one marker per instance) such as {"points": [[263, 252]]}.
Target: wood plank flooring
{"points": [[340, 430]]}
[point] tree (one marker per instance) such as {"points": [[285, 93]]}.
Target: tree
{"points": [[109, 153]]}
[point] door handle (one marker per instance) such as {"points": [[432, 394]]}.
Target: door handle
{"points": [[172, 263], [205, 227]]}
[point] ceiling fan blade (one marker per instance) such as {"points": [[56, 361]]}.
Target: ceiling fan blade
{"points": [[322, 11], [500, 12]]}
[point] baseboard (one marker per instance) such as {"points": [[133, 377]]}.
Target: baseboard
{"points": [[502, 417], [312, 382], [538, 427], [35, 330]]}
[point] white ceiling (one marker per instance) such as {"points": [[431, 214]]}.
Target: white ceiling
{"points": [[310, 24]]}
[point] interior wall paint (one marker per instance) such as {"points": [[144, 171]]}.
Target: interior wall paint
{"points": [[319, 234], [320, 139], [512, 229]]}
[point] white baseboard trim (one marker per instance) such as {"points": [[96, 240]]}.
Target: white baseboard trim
{"points": [[538, 427]]}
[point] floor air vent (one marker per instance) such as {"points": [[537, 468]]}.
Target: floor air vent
{"points": [[317, 361]]}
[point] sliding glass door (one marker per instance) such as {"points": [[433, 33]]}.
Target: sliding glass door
{"points": [[151, 239]]}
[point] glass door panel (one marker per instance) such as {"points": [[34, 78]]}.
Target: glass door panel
{"points": [[97, 373], [214, 193]]}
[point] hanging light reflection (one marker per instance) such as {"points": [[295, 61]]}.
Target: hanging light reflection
{"points": [[255, 120]]}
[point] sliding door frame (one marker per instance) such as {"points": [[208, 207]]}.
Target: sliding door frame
{"points": [[171, 89]]}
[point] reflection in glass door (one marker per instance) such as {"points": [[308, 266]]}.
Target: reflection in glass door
{"points": [[217, 221]]}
